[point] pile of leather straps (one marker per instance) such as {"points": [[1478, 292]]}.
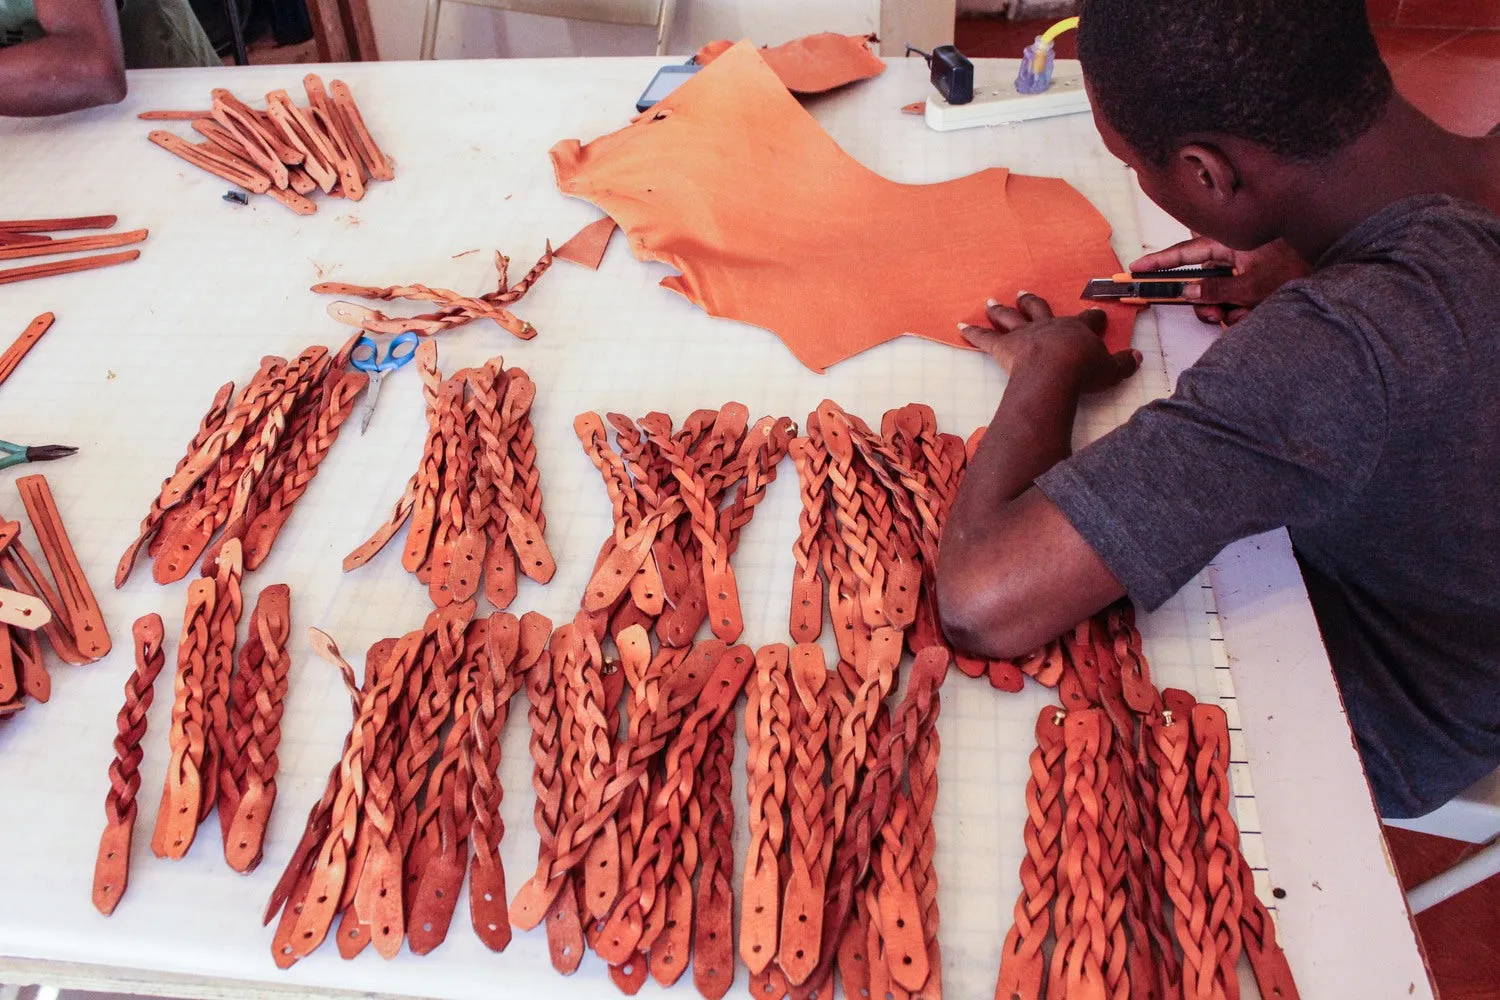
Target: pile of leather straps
{"points": [[627, 822], [24, 238], [286, 151], [62, 609], [225, 727], [252, 458], [1133, 869], [386, 848], [475, 502]]}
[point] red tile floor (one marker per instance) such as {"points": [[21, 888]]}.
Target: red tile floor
{"points": [[1453, 75]]}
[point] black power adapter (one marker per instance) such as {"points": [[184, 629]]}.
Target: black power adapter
{"points": [[952, 72]]}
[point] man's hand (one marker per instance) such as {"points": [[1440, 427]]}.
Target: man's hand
{"points": [[1030, 333], [1229, 300]]}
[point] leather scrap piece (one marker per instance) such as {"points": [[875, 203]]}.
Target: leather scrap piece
{"points": [[732, 183], [812, 64], [587, 246]]}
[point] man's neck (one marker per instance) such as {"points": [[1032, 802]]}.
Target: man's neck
{"points": [[1403, 154]]}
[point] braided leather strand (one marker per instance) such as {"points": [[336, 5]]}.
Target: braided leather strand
{"points": [[1221, 840], [222, 628], [112, 866], [1168, 743], [768, 735], [177, 819], [210, 423], [713, 944], [267, 687], [1022, 964], [802, 912]]}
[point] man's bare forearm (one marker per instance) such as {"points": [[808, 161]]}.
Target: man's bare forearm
{"points": [[57, 74], [1031, 432]]}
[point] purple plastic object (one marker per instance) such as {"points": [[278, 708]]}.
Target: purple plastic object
{"points": [[1027, 80]]}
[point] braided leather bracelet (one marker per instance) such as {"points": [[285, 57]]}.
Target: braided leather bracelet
{"points": [[713, 937], [624, 929], [265, 664], [1168, 742], [177, 818], [802, 912], [1221, 840], [217, 409], [1078, 968], [1022, 964], [768, 735], [497, 684], [112, 867], [223, 625]]}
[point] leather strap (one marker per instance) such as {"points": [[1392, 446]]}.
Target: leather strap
{"points": [[496, 686], [223, 626], [211, 421], [713, 928], [1169, 745], [264, 666], [768, 736], [807, 586], [112, 866], [1221, 841], [182, 793], [802, 914], [1022, 963], [79, 606], [456, 309], [624, 929]]}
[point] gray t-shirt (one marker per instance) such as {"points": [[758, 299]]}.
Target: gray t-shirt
{"points": [[1359, 408]]}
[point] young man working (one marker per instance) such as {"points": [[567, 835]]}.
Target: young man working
{"points": [[1359, 406], [65, 55]]}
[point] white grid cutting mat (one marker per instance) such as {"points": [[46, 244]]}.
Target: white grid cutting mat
{"points": [[138, 351]]}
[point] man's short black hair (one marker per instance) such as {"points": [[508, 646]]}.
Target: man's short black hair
{"points": [[1300, 77]]}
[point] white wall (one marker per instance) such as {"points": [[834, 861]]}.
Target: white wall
{"points": [[475, 32]]}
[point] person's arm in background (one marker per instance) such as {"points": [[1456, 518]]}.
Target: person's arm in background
{"points": [[77, 64], [1013, 572]]}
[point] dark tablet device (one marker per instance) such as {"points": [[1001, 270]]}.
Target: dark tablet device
{"points": [[666, 80]]}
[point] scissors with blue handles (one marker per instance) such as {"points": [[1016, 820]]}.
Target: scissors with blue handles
{"points": [[366, 358]]}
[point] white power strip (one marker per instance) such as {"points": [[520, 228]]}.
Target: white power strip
{"points": [[996, 101]]}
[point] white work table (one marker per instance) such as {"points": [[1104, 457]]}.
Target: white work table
{"points": [[138, 351]]}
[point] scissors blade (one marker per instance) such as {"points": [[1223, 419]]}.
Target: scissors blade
{"points": [[376, 379]]}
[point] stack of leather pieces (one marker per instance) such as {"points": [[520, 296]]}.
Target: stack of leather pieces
{"points": [[473, 509], [251, 459], [1133, 871], [681, 496], [25, 238], [415, 792], [226, 715], [57, 606], [285, 151]]}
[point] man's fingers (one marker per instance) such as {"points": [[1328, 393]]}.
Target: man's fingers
{"points": [[1231, 291], [1004, 317], [1199, 250], [1033, 306], [1210, 314], [985, 340], [1126, 363], [1095, 319]]}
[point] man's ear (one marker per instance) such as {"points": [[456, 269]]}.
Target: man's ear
{"points": [[1206, 170]]}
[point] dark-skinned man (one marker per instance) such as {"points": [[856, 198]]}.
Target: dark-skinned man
{"points": [[1358, 406]]}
